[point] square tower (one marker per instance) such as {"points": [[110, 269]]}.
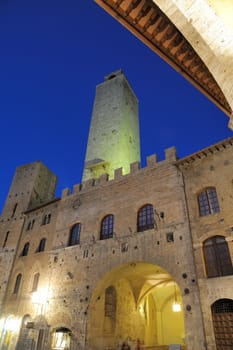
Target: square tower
{"points": [[114, 132], [33, 185]]}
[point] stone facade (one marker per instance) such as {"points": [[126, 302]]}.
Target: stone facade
{"points": [[32, 185], [106, 262], [211, 167]]}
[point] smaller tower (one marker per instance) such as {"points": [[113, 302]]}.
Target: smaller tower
{"points": [[33, 184], [113, 140]]}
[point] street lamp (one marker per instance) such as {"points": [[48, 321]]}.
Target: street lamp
{"points": [[12, 324], [40, 298], [176, 307]]}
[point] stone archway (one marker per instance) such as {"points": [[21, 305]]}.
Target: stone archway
{"points": [[214, 50], [25, 340], [135, 301], [222, 317], [206, 38]]}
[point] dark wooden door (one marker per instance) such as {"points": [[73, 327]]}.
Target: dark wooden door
{"points": [[222, 314]]}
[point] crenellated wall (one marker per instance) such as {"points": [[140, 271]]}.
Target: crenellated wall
{"points": [[170, 156]]}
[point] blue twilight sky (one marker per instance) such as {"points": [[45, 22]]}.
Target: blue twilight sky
{"points": [[53, 54]]}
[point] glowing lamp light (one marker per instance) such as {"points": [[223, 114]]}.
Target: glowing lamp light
{"points": [[12, 324], [176, 307], [39, 297], [141, 311], [35, 298]]}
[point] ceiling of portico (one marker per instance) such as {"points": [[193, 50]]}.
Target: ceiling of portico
{"points": [[224, 10], [146, 20], [144, 278]]}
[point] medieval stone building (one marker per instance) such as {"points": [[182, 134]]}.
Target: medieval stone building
{"points": [[137, 255]]}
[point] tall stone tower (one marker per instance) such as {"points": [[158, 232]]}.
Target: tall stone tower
{"points": [[114, 133], [33, 185]]}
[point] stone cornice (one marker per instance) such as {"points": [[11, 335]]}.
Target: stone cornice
{"points": [[218, 147]]}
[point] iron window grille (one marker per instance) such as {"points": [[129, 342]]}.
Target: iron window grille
{"points": [[208, 202], [217, 257], [145, 220], [75, 235], [107, 227]]}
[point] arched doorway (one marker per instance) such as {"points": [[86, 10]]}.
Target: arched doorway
{"points": [[25, 340], [222, 315], [61, 339], [136, 301]]}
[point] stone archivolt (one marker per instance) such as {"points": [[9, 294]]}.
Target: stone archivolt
{"points": [[153, 27]]}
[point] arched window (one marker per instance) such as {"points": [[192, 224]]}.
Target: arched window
{"points": [[208, 202], [41, 246], [35, 282], [25, 249], [107, 227], [75, 235], [110, 302], [145, 219], [46, 219], [30, 225], [217, 257], [6, 238], [17, 283], [14, 210], [110, 307]]}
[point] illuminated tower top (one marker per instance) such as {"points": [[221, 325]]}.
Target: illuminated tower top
{"points": [[113, 140]]}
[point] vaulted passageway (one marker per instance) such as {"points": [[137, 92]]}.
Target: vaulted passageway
{"points": [[136, 301]]}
